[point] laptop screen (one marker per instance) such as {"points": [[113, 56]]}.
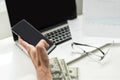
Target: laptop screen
{"points": [[40, 13]]}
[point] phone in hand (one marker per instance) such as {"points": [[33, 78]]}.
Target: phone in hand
{"points": [[30, 34]]}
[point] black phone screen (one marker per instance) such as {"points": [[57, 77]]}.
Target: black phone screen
{"points": [[29, 33]]}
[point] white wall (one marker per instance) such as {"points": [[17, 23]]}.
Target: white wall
{"points": [[4, 22], [1, 0], [101, 18]]}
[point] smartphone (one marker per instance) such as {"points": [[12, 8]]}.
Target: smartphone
{"points": [[30, 34]]}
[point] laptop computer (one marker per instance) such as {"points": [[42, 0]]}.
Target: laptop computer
{"points": [[49, 17]]}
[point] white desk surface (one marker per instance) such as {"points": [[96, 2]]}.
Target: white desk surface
{"points": [[15, 65]]}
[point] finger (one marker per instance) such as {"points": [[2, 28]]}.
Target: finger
{"points": [[34, 56], [26, 45], [31, 51], [43, 43], [42, 54], [51, 40]]}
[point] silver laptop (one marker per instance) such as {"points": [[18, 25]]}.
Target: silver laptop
{"points": [[49, 17]]}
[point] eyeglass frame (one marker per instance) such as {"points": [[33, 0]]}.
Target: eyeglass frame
{"points": [[96, 48]]}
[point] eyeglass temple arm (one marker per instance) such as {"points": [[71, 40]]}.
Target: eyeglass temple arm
{"points": [[103, 46], [74, 43]]}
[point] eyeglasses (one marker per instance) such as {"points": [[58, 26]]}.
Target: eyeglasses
{"points": [[97, 54]]}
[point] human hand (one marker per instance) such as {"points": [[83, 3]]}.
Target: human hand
{"points": [[39, 58]]}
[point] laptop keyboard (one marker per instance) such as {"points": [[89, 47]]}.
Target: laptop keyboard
{"points": [[60, 35]]}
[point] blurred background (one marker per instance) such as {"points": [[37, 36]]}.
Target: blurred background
{"points": [[101, 15]]}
